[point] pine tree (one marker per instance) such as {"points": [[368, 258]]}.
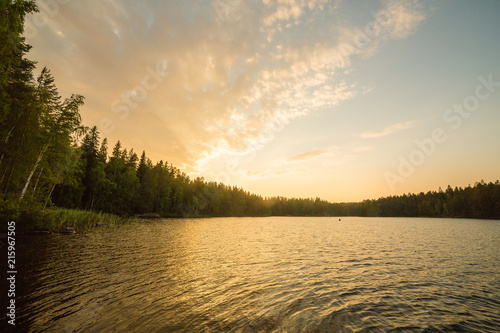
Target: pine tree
{"points": [[90, 158]]}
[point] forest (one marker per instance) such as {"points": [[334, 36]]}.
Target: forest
{"points": [[50, 160]]}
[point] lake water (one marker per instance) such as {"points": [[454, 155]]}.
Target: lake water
{"points": [[273, 274]]}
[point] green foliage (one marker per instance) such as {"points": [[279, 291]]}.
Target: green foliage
{"points": [[127, 187], [9, 209], [131, 188], [58, 218], [44, 165], [37, 129], [480, 201]]}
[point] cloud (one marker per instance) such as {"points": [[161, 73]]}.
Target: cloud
{"points": [[394, 20], [314, 153], [403, 17], [239, 71], [299, 162], [390, 130]]}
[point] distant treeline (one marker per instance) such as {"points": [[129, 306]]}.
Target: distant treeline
{"points": [[127, 184], [47, 158], [479, 201]]}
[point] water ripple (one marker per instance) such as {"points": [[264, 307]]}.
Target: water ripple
{"points": [[265, 275]]}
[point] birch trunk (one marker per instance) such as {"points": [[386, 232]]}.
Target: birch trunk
{"points": [[8, 134], [36, 183], [52, 190], [42, 152]]}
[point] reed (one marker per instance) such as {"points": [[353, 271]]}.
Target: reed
{"points": [[56, 219]]}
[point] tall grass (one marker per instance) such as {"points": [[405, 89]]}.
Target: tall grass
{"points": [[56, 219], [30, 216]]}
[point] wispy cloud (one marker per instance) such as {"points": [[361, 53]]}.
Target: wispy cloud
{"points": [[314, 153], [326, 157], [390, 130], [394, 20], [233, 79]]}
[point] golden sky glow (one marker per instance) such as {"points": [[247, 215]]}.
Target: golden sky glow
{"points": [[290, 97]]}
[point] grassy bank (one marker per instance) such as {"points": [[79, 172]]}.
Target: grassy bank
{"points": [[56, 219]]}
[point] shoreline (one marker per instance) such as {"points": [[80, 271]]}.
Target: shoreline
{"points": [[60, 220]]}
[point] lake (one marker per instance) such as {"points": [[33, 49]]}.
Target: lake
{"points": [[272, 274]]}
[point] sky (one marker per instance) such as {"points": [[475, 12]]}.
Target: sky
{"points": [[342, 100]]}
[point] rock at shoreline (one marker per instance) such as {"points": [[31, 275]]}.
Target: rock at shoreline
{"points": [[67, 231]]}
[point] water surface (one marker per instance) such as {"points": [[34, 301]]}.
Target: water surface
{"points": [[273, 274]]}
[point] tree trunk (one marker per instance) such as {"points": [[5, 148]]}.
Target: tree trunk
{"points": [[52, 190], [42, 152], [8, 179], [9, 134], [36, 183]]}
